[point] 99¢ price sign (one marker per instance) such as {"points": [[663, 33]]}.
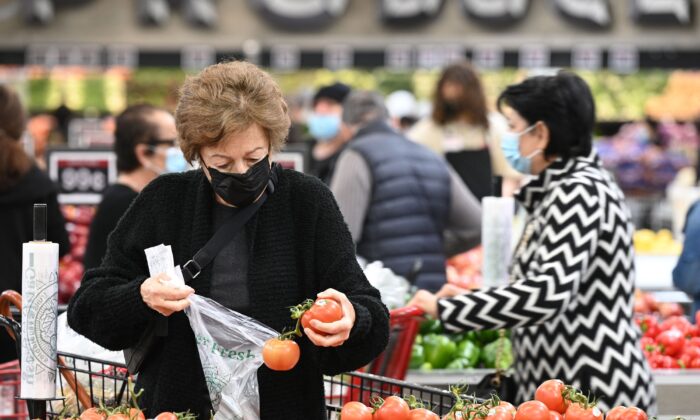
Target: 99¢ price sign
{"points": [[82, 175]]}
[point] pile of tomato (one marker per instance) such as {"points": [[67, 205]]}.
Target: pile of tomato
{"points": [[126, 413], [553, 401], [673, 343]]}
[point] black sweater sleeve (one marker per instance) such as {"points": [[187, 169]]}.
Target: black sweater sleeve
{"points": [[108, 307], [337, 267]]}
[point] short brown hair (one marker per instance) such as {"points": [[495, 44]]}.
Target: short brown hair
{"points": [[227, 98], [473, 101]]}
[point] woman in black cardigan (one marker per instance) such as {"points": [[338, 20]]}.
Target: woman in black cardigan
{"points": [[297, 246]]}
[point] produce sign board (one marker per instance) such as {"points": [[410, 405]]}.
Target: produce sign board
{"points": [[81, 174]]}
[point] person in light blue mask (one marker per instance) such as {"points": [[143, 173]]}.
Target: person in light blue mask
{"points": [[569, 300], [326, 127], [145, 144]]}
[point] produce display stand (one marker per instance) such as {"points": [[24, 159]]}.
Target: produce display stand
{"points": [[86, 382], [678, 391]]}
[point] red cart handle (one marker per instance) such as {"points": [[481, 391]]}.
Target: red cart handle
{"points": [[406, 312]]}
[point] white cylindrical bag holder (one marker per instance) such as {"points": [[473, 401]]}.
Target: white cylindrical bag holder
{"points": [[496, 239], [39, 312]]}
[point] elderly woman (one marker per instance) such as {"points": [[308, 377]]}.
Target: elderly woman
{"points": [[570, 300], [232, 118]]}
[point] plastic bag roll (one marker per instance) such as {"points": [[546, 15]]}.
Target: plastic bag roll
{"points": [[39, 310], [496, 239]]}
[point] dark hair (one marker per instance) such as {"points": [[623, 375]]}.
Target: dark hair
{"points": [[133, 126], [473, 101], [337, 92], [564, 103], [14, 162]]}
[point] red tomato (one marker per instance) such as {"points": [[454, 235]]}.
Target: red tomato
{"points": [[551, 393], [624, 413], [324, 310], [532, 410], [647, 343], [280, 355], [500, 413], [553, 415], [579, 412], [93, 414], [136, 414], [508, 406], [649, 326], [671, 342], [695, 364], [694, 342], [118, 417], [166, 416], [394, 408], [356, 411], [692, 351], [421, 414], [679, 323], [697, 318]]}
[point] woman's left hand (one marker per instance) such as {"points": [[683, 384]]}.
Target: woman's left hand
{"points": [[425, 301], [334, 333]]}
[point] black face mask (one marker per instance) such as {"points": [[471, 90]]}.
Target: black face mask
{"points": [[452, 109], [241, 190]]}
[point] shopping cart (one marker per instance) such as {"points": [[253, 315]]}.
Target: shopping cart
{"points": [[394, 361], [86, 382]]}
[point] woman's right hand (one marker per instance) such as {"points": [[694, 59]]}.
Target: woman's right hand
{"points": [[163, 298]]}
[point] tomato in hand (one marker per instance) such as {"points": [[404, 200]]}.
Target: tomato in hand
{"points": [[356, 411], [167, 415], [578, 412], [624, 413], [422, 414], [551, 393], [532, 410], [394, 408], [323, 310], [280, 355]]}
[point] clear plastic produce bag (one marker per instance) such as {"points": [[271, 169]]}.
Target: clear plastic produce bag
{"points": [[230, 348]]}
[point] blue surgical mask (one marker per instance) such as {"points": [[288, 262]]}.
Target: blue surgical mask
{"points": [[510, 144], [324, 127], [175, 160]]}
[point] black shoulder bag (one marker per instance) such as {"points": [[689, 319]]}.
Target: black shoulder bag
{"points": [[157, 328]]}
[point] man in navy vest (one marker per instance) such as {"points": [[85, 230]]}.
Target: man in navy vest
{"points": [[402, 202]]}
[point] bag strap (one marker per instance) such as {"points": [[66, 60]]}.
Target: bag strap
{"points": [[231, 227]]}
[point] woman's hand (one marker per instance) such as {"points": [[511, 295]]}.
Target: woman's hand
{"points": [[426, 301], [163, 298], [334, 334], [450, 290]]}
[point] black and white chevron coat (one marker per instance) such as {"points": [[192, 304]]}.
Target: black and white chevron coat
{"points": [[571, 299]]}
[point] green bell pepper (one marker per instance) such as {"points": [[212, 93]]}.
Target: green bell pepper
{"points": [[417, 357], [489, 354], [468, 351], [431, 326], [439, 350]]}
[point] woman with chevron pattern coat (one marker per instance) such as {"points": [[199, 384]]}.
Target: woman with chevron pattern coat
{"points": [[570, 300]]}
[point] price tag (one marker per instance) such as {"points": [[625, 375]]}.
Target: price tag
{"points": [[399, 57], [122, 56], [534, 57], [586, 57], [81, 174], [623, 59], [197, 57]]}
